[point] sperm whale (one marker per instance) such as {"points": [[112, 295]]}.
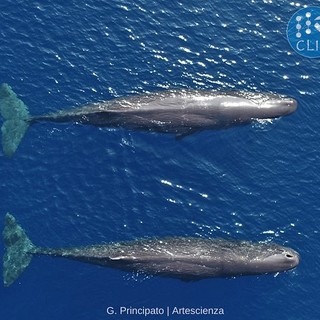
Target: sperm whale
{"points": [[185, 258], [180, 112]]}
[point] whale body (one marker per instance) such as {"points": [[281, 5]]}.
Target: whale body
{"points": [[176, 257], [180, 112]]}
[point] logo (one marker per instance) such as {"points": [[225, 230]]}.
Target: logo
{"points": [[303, 32]]}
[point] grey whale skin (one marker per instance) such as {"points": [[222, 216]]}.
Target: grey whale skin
{"points": [[181, 257], [181, 112]]}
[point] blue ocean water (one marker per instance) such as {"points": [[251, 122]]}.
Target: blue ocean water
{"points": [[77, 185]]}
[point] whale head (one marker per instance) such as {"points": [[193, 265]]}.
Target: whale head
{"points": [[282, 261], [268, 105], [244, 106], [276, 259], [275, 106]]}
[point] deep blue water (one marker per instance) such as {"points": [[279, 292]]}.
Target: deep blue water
{"points": [[76, 185]]}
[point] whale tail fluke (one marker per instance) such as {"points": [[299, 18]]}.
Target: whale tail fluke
{"points": [[19, 250], [16, 119]]}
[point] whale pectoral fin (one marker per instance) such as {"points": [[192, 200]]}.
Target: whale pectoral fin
{"points": [[184, 133]]}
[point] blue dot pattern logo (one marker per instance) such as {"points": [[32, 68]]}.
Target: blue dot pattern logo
{"points": [[304, 32]]}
